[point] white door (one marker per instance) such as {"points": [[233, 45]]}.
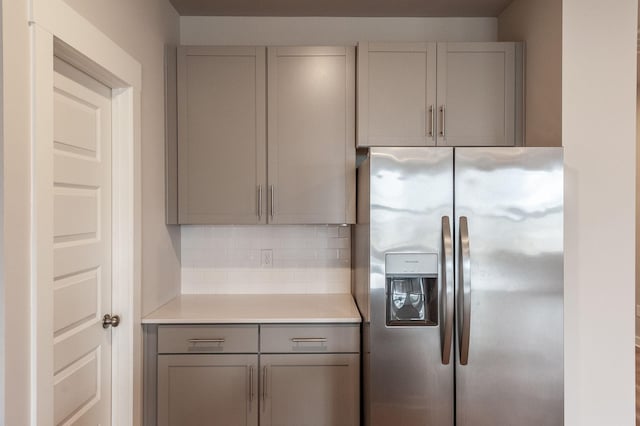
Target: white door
{"points": [[81, 248]]}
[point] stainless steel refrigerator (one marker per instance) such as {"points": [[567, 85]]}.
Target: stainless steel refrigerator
{"points": [[459, 278]]}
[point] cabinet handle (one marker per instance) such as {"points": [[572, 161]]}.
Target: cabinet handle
{"points": [[271, 192], [309, 339], [250, 386], [443, 122], [259, 202], [264, 386], [430, 120], [196, 341]]}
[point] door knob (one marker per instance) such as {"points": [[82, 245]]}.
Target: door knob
{"points": [[109, 320]]}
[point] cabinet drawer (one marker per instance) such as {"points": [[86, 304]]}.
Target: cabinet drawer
{"points": [[310, 338], [208, 339]]}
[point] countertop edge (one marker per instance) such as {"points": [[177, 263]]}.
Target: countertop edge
{"points": [[257, 309], [151, 321]]}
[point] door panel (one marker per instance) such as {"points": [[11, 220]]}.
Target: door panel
{"points": [[476, 88], [310, 390], [397, 94], [81, 248], [221, 117], [411, 189], [195, 390], [513, 200], [311, 135]]}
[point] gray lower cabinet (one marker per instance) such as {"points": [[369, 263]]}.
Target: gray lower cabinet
{"points": [[196, 390], [310, 390], [250, 374]]}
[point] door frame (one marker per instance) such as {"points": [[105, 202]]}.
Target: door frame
{"points": [[57, 30]]}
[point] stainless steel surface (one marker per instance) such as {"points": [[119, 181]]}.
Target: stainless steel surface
{"points": [[409, 191], [110, 321], [309, 339], [513, 198], [507, 296], [464, 290], [446, 292], [259, 202], [195, 341], [443, 122]]}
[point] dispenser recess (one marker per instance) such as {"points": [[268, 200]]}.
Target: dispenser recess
{"points": [[412, 289]]}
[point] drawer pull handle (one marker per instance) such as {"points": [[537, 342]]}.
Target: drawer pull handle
{"points": [[195, 341], [309, 339]]}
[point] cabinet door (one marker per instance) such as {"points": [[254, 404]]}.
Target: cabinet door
{"points": [[396, 94], [311, 122], [221, 135], [310, 390], [476, 94], [194, 390]]}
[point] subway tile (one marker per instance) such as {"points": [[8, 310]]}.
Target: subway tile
{"points": [[226, 259]]}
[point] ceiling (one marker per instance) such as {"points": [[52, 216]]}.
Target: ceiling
{"points": [[395, 8]]}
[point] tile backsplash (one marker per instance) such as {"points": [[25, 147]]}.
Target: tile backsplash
{"points": [[266, 259]]}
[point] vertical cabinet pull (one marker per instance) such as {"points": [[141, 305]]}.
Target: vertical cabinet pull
{"points": [[250, 386], [271, 192], [442, 121], [264, 386], [259, 202], [430, 121]]}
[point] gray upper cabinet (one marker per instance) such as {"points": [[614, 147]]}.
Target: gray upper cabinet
{"points": [[447, 94], [311, 122], [396, 94], [477, 94], [221, 135], [223, 173]]}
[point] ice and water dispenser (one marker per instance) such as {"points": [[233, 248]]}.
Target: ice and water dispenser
{"points": [[412, 289]]}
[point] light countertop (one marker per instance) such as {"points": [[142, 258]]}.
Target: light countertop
{"points": [[256, 308]]}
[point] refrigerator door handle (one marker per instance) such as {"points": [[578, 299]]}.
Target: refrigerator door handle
{"points": [[464, 296], [446, 293]]}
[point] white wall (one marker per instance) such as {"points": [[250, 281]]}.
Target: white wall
{"points": [[16, 192], [142, 28], [598, 133], [539, 24], [201, 30], [2, 282]]}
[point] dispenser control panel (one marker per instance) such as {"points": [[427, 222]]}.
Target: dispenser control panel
{"points": [[411, 289]]}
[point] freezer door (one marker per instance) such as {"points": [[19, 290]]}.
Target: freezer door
{"points": [[408, 379], [509, 286]]}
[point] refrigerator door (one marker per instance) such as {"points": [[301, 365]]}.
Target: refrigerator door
{"points": [[509, 286], [410, 217]]}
